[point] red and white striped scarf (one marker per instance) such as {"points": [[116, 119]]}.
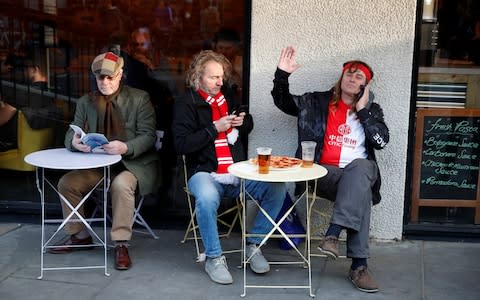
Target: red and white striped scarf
{"points": [[219, 106]]}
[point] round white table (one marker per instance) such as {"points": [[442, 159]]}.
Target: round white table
{"points": [[63, 159], [248, 171]]}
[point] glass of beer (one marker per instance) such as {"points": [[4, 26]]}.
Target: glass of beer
{"points": [[308, 153], [263, 155]]}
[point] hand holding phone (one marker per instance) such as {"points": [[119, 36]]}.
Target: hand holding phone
{"points": [[362, 91], [361, 101], [239, 109]]}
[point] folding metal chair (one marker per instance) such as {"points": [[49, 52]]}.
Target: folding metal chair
{"points": [[226, 218], [321, 211], [136, 218]]}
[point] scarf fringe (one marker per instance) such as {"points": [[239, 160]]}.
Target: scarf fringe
{"points": [[225, 178], [232, 136]]}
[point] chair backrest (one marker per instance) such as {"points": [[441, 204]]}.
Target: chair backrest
{"points": [[185, 176], [229, 215], [226, 202], [28, 140]]}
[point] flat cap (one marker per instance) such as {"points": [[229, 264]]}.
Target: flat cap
{"points": [[107, 64]]}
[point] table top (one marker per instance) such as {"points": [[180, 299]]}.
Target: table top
{"points": [[247, 170], [64, 159]]}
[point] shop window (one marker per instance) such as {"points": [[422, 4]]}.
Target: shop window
{"points": [[445, 169], [47, 46], [449, 55]]}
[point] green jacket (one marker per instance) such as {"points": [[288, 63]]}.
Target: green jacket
{"points": [[139, 115]]}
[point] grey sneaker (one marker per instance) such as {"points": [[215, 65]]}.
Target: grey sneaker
{"points": [[217, 269], [258, 263], [329, 246]]}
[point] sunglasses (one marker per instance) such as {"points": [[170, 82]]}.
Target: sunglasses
{"points": [[103, 77]]}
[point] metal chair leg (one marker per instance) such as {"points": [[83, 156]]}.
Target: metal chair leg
{"points": [[137, 218], [192, 227]]}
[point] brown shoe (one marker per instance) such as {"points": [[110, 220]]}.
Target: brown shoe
{"points": [[329, 246], [72, 244], [362, 280], [122, 259]]}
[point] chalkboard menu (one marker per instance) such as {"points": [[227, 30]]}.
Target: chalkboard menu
{"points": [[447, 159]]}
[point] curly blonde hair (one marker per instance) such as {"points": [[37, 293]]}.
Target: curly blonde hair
{"points": [[197, 67]]}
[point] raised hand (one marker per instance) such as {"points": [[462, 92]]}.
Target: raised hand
{"points": [[287, 60]]}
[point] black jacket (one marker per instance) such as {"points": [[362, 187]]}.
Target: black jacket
{"points": [[194, 132], [311, 109]]}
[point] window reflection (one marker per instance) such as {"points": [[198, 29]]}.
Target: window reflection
{"points": [[450, 33], [448, 81], [47, 46], [168, 32]]}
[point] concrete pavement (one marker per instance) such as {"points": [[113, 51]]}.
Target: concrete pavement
{"points": [[166, 269]]}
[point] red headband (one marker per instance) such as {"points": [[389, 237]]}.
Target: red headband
{"points": [[360, 67]]}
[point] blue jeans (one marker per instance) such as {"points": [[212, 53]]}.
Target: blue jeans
{"points": [[208, 192]]}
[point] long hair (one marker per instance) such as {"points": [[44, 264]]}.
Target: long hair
{"points": [[337, 88], [197, 67]]}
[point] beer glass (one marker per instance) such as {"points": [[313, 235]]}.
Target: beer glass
{"points": [[263, 157], [308, 153]]}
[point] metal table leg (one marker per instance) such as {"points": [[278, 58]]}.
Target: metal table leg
{"points": [[276, 227], [40, 182]]}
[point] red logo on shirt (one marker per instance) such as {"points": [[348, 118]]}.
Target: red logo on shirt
{"points": [[344, 129]]}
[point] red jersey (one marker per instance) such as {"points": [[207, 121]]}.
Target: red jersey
{"points": [[344, 138]]}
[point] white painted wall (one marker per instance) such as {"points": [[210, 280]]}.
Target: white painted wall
{"points": [[326, 34]]}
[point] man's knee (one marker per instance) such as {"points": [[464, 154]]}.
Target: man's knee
{"points": [[362, 164], [207, 203], [125, 182], [206, 195], [66, 183], [62, 184], [267, 192]]}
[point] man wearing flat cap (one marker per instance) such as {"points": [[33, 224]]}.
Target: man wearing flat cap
{"points": [[126, 117]]}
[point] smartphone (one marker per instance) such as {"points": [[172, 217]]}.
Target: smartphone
{"points": [[362, 90], [239, 109]]}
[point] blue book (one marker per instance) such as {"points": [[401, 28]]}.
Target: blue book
{"points": [[94, 140]]}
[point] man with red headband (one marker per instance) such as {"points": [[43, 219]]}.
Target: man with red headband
{"points": [[347, 126]]}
